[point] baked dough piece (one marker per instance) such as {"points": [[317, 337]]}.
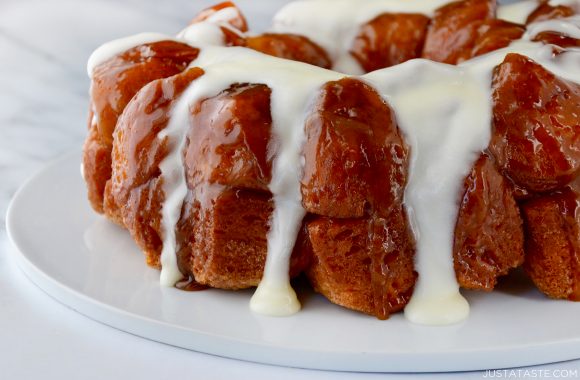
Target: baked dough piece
{"points": [[489, 237], [535, 125], [115, 82], [545, 11], [553, 242], [356, 166]]}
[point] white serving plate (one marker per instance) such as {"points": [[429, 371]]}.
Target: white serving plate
{"points": [[95, 268]]}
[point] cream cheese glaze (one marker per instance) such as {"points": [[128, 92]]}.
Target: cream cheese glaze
{"points": [[443, 111], [517, 12], [569, 27]]}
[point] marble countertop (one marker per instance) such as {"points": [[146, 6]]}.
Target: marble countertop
{"points": [[44, 45]]}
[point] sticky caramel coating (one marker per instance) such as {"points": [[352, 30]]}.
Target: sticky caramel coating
{"points": [[557, 39], [355, 157], [228, 144], [239, 21], [136, 187], [553, 242], [225, 219], [453, 29], [492, 35], [535, 130], [355, 168], [115, 82], [489, 238], [290, 46], [364, 264], [390, 39], [221, 234], [96, 166], [545, 11], [118, 79]]}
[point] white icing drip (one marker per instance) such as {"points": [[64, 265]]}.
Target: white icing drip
{"points": [[517, 12], [204, 33], [200, 34], [222, 68], [569, 26], [435, 106], [224, 15], [112, 48], [565, 65], [175, 190], [208, 32]]}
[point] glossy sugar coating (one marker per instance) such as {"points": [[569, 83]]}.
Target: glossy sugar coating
{"points": [[390, 39], [535, 125], [135, 191], [536, 144], [355, 167], [355, 156], [454, 29], [489, 235], [289, 46], [114, 84], [553, 242], [545, 11], [356, 244]]}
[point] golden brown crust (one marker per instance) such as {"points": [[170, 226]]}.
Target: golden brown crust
{"points": [[453, 29], [227, 143], [488, 235], [227, 231], [390, 39], [545, 11], [553, 243], [492, 35], [96, 168], [557, 39], [355, 158], [535, 125], [114, 84], [135, 191], [290, 46], [364, 264], [355, 168]]}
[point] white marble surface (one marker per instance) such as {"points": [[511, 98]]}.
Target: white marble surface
{"points": [[43, 102]]}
